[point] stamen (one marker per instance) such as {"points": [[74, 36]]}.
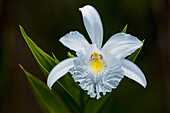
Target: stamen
{"points": [[96, 65]]}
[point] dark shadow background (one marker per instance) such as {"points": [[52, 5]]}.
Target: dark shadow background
{"points": [[45, 21]]}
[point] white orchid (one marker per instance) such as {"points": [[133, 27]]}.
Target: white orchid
{"points": [[98, 69]]}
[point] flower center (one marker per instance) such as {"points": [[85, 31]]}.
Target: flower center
{"points": [[96, 65]]}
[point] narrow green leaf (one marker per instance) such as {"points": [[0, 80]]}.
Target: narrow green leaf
{"points": [[124, 29], [136, 53], [45, 62], [70, 55], [47, 99], [65, 86], [55, 57]]}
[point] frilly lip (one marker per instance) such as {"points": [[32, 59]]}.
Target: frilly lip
{"points": [[94, 83]]}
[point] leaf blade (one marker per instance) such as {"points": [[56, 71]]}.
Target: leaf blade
{"points": [[70, 55], [47, 99], [46, 63], [124, 29], [136, 53]]}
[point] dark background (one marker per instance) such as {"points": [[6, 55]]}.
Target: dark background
{"points": [[45, 21]]}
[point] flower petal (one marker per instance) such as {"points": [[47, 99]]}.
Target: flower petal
{"points": [[60, 70], [133, 72], [121, 45], [74, 41], [93, 24]]}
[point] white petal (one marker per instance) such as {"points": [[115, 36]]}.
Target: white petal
{"points": [[93, 24], [133, 72], [121, 45], [74, 41], [60, 70]]}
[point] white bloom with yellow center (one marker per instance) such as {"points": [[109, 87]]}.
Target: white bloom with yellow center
{"points": [[98, 70]]}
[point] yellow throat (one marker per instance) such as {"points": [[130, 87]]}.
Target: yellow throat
{"points": [[96, 65]]}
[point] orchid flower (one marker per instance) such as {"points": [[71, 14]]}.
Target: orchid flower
{"points": [[98, 69]]}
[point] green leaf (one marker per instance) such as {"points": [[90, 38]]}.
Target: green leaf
{"points": [[45, 62], [70, 55], [136, 53], [65, 86], [55, 58], [124, 29], [47, 99]]}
